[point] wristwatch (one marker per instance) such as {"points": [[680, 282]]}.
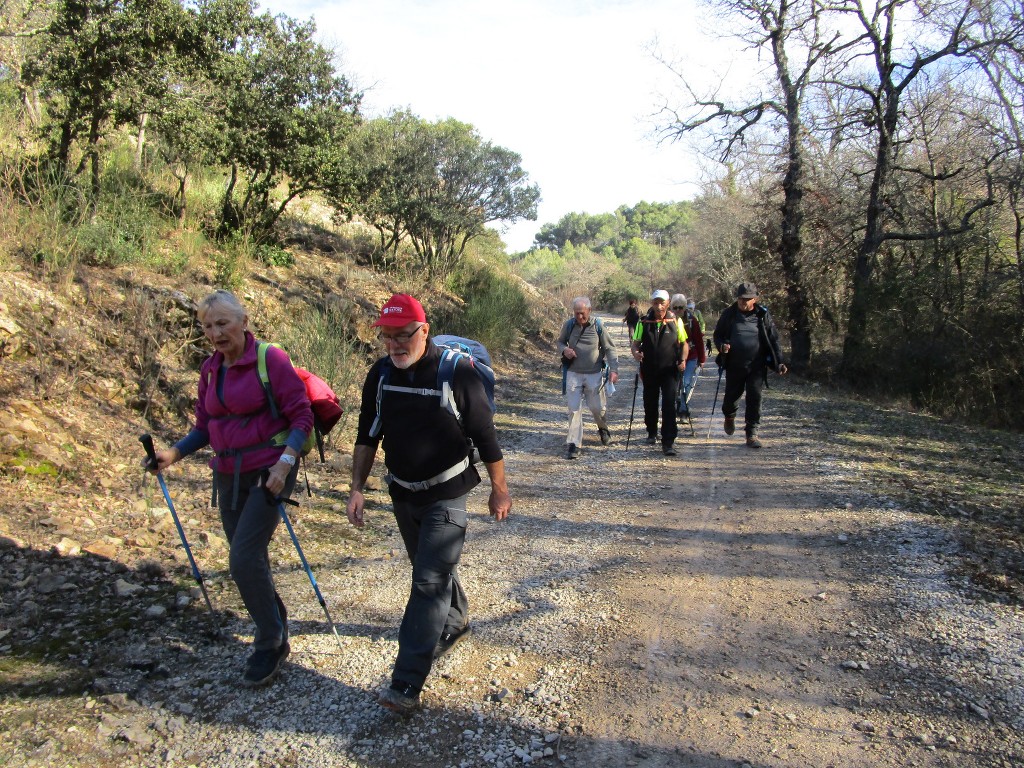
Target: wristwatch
{"points": [[288, 459]]}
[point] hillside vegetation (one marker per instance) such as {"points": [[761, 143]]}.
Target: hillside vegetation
{"points": [[871, 186]]}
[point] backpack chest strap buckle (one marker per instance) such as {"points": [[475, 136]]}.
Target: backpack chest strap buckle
{"points": [[422, 485]]}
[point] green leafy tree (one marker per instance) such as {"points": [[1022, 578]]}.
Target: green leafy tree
{"points": [[644, 260], [436, 186], [97, 56], [579, 229], [23, 25], [188, 116], [288, 119], [663, 224]]}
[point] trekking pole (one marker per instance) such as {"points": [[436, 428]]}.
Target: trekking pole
{"points": [[147, 444], [682, 409], [721, 370], [305, 564], [696, 378], [636, 384]]}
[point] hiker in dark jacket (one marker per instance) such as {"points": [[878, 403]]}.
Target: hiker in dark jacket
{"points": [[429, 477], [660, 346], [256, 451], [632, 317], [749, 342]]}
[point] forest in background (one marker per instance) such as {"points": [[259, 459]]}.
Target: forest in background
{"points": [[870, 185]]}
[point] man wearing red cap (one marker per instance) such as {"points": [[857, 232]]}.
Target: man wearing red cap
{"points": [[430, 474]]}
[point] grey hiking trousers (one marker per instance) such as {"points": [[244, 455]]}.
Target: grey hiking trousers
{"points": [[249, 528]]}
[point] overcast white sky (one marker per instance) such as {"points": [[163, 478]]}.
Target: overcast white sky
{"points": [[569, 85]]}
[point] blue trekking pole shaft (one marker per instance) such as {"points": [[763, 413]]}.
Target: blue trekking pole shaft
{"points": [[309, 571], [147, 443], [693, 383]]}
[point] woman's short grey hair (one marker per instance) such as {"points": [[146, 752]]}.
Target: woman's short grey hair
{"points": [[225, 299], [581, 300]]}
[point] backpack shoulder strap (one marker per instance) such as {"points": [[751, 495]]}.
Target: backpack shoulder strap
{"points": [[445, 376], [261, 370], [762, 319], [382, 382]]}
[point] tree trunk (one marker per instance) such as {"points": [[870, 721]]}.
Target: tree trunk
{"points": [[855, 363], [791, 243], [140, 142]]}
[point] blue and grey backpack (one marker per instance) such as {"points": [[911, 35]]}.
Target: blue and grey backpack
{"points": [[455, 350]]}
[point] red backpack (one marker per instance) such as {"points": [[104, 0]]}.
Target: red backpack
{"points": [[323, 402]]}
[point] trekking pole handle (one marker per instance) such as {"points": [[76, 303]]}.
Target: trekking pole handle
{"points": [[147, 444]]}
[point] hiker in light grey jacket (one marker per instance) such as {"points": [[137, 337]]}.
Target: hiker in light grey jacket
{"points": [[587, 350]]}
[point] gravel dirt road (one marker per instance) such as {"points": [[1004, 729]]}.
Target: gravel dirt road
{"points": [[724, 607]]}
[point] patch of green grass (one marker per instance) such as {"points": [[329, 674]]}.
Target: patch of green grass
{"points": [[495, 310], [34, 466]]}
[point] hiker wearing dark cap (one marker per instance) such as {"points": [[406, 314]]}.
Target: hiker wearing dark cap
{"points": [[749, 342], [430, 474], [660, 346], [234, 416]]}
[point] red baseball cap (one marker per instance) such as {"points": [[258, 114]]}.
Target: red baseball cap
{"points": [[401, 309]]}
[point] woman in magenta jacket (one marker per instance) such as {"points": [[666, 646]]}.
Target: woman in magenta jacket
{"points": [[256, 454]]}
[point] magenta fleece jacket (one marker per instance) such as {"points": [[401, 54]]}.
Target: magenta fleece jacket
{"points": [[243, 419]]}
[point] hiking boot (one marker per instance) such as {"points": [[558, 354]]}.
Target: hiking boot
{"points": [[573, 451], [449, 640], [668, 449], [730, 424], [752, 441], [262, 666], [606, 436], [652, 439], [403, 700]]}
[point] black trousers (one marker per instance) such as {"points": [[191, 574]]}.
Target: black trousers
{"points": [[737, 382], [434, 534], [661, 384]]}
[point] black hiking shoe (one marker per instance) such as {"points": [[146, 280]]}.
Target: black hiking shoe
{"points": [[752, 441], [262, 666], [730, 424], [652, 439], [668, 449], [606, 436], [400, 698], [572, 451], [449, 640]]}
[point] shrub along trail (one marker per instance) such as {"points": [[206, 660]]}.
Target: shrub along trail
{"points": [[724, 607]]}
